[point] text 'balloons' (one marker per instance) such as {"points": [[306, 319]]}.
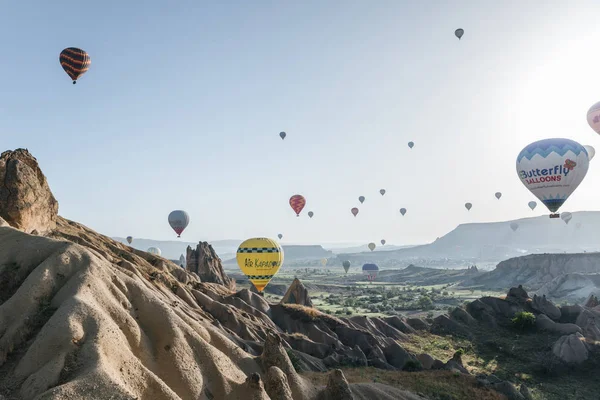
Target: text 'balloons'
{"points": [[551, 169]]}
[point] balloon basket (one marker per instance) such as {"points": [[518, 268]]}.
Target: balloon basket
{"points": [[557, 215]]}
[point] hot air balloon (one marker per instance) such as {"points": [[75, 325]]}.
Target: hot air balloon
{"points": [[370, 271], [311, 214], [324, 262], [498, 195], [514, 226], [566, 216], [532, 205], [361, 199], [354, 211], [372, 246], [282, 135], [468, 206], [591, 151], [383, 242], [129, 239], [382, 191], [297, 202], [75, 62], [346, 265], [154, 250], [459, 33], [552, 169], [593, 117], [260, 259], [280, 236], [182, 261], [179, 220], [403, 211], [411, 144]]}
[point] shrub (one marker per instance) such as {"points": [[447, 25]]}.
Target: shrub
{"points": [[523, 320], [412, 366]]}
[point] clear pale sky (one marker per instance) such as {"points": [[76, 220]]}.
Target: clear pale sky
{"points": [[184, 101]]}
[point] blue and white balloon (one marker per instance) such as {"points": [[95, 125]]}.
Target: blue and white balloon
{"points": [[552, 169]]}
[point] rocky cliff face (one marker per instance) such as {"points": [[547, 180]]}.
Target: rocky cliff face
{"points": [[205, 262], [26, 201], [297, 294], [535, 271]]}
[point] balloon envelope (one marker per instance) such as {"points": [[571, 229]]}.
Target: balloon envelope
{"points": [[311, 214], [154, 250], [361, 199], [382, 191], [566, 216], [259, 259], [403, 211], [383, 242], [129, 239], [498, 195], [468, 206], [75, 62], [297, 202], [532, 205], [282, 135], [514, 226], [179, 220], [354, 211], [411, 144], [552, 169], [593, 117], [591, 151], [346, 265], [459, 33], [370, 271], [280, 236], [324, 262], [372, 246]]}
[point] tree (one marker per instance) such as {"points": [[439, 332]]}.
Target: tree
{"points": [[425, 303]]}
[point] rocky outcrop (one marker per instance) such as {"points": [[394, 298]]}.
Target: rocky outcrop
{"points": [[444, 325], [26, 202], [571, 349], [426, 360], [517, 295], [337, 387], [205, 262], [544, 306], [546, 324], [589, 321], [592, 301], [297, 294]]}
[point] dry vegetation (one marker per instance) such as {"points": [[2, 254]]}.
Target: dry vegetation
{"points": [[435, 385]]}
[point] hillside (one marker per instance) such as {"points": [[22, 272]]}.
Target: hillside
{"points": [[495, 241], [559, 276]]}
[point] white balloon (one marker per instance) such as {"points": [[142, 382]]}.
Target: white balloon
{"points": [[590, 150], [552, 169], [154, 250], [566, 216], [532, 205], [593, 117]]}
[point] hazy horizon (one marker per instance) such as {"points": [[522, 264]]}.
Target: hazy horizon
{"points": [[183, 104]]}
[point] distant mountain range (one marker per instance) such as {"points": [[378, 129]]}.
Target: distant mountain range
{"points": [[487, 242]]}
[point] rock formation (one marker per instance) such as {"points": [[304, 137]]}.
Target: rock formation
{"points": [[544, 306], [571, 349], [592, 301], [297, 294], [26, 202], [205, 262]]}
